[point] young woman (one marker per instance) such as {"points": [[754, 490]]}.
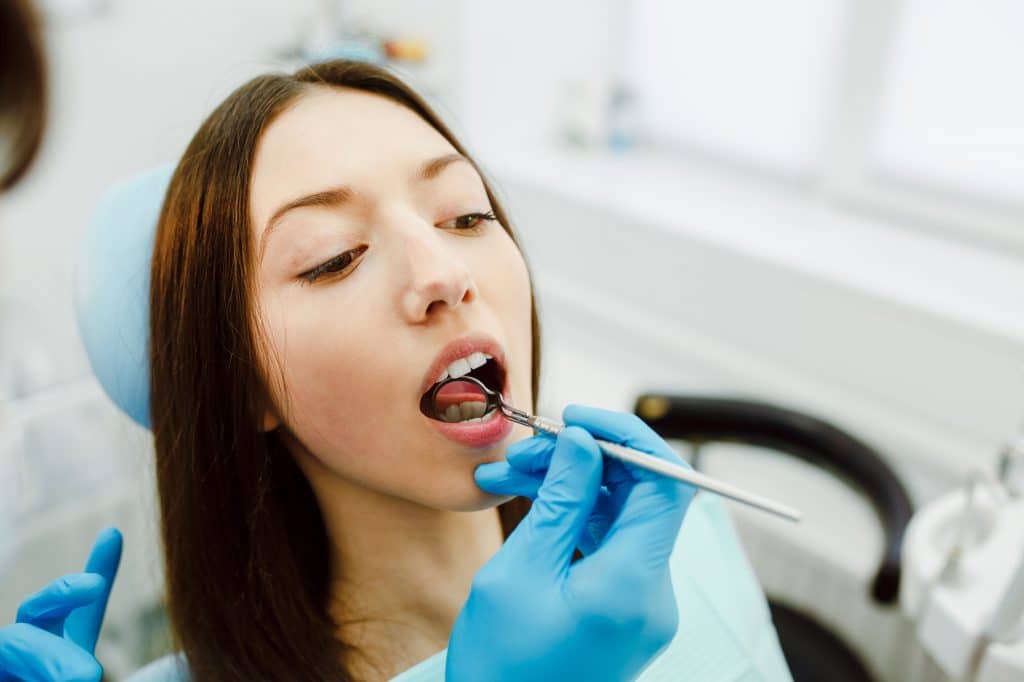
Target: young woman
{"points": [[325, 252]]}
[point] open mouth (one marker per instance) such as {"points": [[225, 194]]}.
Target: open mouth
{"points": [[462, 401]]}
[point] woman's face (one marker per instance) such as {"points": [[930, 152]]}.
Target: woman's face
{"points": [[349, 340]]}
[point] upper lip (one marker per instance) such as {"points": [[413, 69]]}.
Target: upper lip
{"points": [[460, 348]]}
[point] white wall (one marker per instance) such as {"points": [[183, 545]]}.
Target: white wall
{"points": [[518, 56]]}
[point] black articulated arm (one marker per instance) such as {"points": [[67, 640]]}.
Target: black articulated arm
{"points": [[811, 439]]}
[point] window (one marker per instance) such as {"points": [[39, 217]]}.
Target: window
{"points": [[913, 108], [745, 80], [952, 112]]}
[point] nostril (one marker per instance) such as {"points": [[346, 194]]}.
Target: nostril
{"points": [[467, 296]]}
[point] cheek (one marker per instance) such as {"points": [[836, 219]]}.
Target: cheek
{"points": [[505, 284], [505, 281], [327, 371]]}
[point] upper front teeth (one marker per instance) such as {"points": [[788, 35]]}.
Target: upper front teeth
{"points": [[464, 365]]}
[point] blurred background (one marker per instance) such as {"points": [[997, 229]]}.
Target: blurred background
{"points": [[808, 205]]}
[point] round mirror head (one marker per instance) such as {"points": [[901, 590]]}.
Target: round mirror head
{"points": [[458, 399]]}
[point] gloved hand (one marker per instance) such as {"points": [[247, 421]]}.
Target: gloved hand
{"points": [[531, 614], [56, 629]]}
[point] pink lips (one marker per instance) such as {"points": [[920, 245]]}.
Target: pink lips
{"points": [[474, 434]]}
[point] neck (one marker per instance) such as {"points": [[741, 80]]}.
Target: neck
{"points": [[401, 559], [401, 571]]}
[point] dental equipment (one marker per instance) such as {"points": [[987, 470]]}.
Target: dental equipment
{"points": [[641, 459], [1011, 466], [964, 581]]}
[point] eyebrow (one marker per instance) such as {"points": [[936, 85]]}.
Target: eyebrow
{"points": [[338, 196], [431, 169]]}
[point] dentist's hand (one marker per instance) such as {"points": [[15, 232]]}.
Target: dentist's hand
{"points": [[55, 633], [531, 613]]}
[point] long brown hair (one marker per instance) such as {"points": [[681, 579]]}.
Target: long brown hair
{"points": [[245, 546], [22, 89]]}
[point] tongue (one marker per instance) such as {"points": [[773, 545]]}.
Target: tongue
{"points": [[457, 392], [459, 388]]}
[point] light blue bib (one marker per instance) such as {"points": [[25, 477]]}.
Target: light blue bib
{"points": [[725, 630]]}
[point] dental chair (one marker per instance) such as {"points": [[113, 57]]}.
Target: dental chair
{"points": [[813, 652]]}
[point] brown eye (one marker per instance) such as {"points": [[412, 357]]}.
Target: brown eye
{"points": [[333, 266], [469, 221]]}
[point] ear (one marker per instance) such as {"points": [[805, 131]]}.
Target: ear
{"points": [[270, 420]]}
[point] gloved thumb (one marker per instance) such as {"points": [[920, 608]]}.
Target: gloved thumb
{"points": [[501, 478], [551, 530], [83, 626]]}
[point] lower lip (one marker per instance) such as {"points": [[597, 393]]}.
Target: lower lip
{"points": [[476, 434]]}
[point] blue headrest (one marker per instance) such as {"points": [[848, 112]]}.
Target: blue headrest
{"points": [[112, 288]]}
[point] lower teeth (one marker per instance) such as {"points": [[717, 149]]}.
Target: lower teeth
{"points": [[461, 412]]}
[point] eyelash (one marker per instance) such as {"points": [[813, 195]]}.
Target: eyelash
{"points": [[478, 217], [341, 262]]}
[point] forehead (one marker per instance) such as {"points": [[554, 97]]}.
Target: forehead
{"points": [[334, 136]]}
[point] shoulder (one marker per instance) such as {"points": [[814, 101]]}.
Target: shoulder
{"points": [[170, 668]]}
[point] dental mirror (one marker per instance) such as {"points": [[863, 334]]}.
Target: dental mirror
{"points": [[462, 398], [459, 399]]}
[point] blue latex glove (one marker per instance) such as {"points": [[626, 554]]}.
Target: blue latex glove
{"points": [[55, 633], [531, 614]]}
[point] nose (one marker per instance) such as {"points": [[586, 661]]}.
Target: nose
{"points": [[439, 275]]}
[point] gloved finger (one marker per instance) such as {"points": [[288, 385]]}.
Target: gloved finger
{"points": [[523, 472], [605, 512], [652, 506], [531, 455], [534, 455], [83, 626], [550, 531], [498, 478], [625, 429], [529, 458], [649, 521], [28, 653], [48, 608]]}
